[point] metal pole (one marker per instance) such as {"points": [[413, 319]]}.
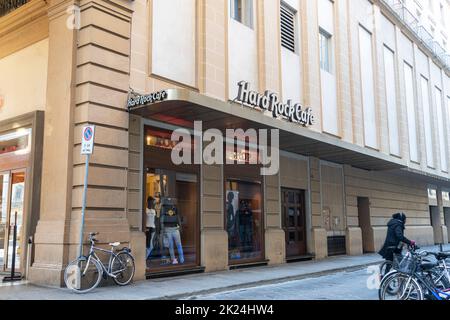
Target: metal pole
{"points": [[13, 264], [13, 276], [83, 208]]}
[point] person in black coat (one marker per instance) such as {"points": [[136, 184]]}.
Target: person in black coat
{"points": [[395, 237]]}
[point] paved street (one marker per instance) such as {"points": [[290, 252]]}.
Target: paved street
{"points": [[341, 277], [338, 286]]}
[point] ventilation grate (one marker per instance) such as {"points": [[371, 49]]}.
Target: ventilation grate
{"points": [[287, 27]]}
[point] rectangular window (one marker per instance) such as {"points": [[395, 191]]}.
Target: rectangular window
{"points": [[325, 50], [391, 101], [427, 121], [288, 34], [441, 130], [411, 112], [242, 11], [368, 88]]}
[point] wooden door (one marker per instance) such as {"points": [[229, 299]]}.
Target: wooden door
{"points": [[294, 221]]}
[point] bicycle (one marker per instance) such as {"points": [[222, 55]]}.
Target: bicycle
{"points": [[85, 273], [416, 279]]}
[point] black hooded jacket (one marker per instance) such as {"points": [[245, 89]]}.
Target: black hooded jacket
{"points": [[395, 235]]}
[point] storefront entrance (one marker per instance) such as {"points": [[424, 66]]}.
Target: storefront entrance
{"points": [[12, 191], [294, 221], [171, 208]]}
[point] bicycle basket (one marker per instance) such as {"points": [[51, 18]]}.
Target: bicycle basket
{"points": [[405, 264]]}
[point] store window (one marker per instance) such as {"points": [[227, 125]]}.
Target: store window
{"points": [[171, 202], [244, 221]]}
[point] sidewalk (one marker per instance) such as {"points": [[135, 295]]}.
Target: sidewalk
{"points": [[198, 284]]}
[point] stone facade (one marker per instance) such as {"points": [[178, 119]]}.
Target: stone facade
{"points": [[89, 75]]}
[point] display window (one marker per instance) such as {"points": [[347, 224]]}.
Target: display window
{"points": [[244, 223], [171, 202]]}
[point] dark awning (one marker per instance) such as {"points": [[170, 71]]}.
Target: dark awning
{"points": [[182, 107]]}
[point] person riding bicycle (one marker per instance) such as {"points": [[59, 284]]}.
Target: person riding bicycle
{"points": [[395, 237]]}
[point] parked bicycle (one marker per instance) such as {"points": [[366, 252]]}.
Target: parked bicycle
{"points": [[85, 273], [415, 277]]}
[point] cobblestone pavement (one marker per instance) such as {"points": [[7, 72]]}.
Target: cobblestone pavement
{"points": [[338, 286]]}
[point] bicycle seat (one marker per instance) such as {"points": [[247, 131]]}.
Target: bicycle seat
{"points": [[428, 265], [114, 244], [443, 255]]}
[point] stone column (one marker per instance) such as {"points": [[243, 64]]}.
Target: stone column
{"points": [[310, 53], [442, 232], [52, 231], [318, 233], [87, 83], [274, 235], [214, 238]]}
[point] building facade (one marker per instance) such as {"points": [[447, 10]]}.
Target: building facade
{"points": [[377, 89]]}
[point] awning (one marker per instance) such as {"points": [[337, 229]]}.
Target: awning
{"points": [[182, 107]]}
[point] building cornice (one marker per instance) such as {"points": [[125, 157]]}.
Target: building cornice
{"points": [[33, 10], [24, 26]]}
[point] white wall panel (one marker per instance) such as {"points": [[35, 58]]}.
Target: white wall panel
{"points": [[291, 63], [411, 112], [391, 101], [427, 121], [242, 55], [330, 112], [173, 40], [441, 129], [23, 80], [367, 85]]}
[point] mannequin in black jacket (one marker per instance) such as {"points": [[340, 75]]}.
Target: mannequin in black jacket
{"points": [[395, 237]]}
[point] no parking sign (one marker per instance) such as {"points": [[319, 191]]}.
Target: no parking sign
{"points": [[87, 140]]}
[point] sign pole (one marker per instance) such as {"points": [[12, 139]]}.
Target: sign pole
{"points": [[87, 147], [83, 208]]}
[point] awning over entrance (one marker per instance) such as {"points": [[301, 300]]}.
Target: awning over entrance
{"points": [[182, 107]]}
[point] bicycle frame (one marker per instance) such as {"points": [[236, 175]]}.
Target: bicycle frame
{"points": [[93, 255], [422, 282], [443, 265]]}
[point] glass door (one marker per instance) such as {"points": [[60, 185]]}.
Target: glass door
{"points": [[4, 191], [171, 220], [15, 218]]}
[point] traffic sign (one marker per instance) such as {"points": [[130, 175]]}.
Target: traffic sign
{"points": [[87, 140]]}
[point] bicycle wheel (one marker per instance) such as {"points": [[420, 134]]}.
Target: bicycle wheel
{"points": [[83, 275], [123, 268], [385, 267], [439, 279], [392, 285], [401, 287]]}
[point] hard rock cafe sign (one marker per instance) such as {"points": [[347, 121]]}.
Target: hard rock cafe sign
{"points": [[137, 100], [269, 101]]}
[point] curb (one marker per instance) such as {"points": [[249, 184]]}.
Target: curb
{"points": [[267, 282]]}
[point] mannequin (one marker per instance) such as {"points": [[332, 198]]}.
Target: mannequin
{"points": [[171, 225], [150, 215], [246, 225]]}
